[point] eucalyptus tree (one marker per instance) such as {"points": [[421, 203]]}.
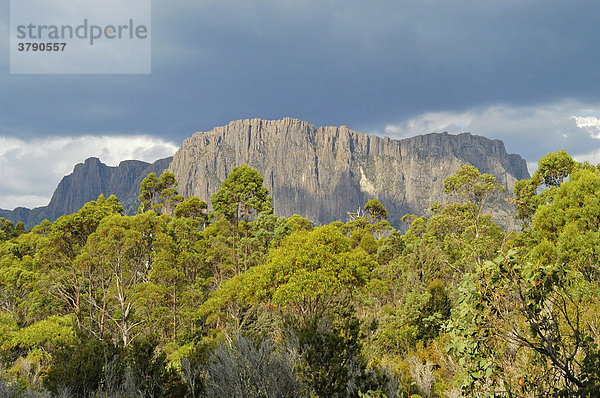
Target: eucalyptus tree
{"points": [[240, 199]]}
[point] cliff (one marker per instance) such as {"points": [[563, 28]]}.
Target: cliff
{"points": [[322, 173]]}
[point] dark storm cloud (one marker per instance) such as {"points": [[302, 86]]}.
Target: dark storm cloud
{"points": [[333, 62]]}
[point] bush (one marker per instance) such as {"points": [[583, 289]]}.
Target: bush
{"points": [[251, 370], [78, 368]]}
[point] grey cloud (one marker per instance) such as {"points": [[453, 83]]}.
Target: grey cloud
{"points": [[333, 62]]}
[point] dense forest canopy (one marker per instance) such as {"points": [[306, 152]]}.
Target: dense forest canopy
{"points": [[183, 301]]}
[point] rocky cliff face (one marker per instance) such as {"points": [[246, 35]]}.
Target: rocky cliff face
{"points": [[322, 173], [86, 183]]}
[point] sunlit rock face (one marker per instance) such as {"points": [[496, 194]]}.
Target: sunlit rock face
{"points": [[323, 173]]}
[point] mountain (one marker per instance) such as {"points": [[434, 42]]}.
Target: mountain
{"points": [[323, 173], [87, 181], [320, 173]]}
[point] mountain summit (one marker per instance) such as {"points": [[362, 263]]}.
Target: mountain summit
{"points": [[323, 173]]}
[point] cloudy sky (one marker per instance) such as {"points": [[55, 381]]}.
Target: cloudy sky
{"points": [[526, 72]]}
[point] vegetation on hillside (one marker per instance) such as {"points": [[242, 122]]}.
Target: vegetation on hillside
{"points": [[183, 301]]}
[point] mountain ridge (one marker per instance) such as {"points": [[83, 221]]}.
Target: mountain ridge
{"points": [[305, 167], [321, 173]]}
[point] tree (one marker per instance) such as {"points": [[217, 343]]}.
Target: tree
{"points": [[65, 241], [179, 270], [303, 275], [472, 186], [148, 366], [159, 194], [552, 171], [241, 197], [332, 364], [7, 229], [77, 366], [19, 228], [169, 197], [267, 231], [555, 167], [193, 208], [218, 240], [375, 211], [461, 233], [435, 312], [299, 223], [149, 193], [512, 309], [118, 259]]}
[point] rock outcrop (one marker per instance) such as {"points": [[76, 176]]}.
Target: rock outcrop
{"points": [[323, 173], [87, 181]]}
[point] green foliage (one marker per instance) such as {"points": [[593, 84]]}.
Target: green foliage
{"points": [[117, 260], [65, 241], [571, 224], [328, 356], [376, 394], [149, 192], [472, 186], [470, 333], [7, 229], [148, 366], [159, 194], [303, 275], [19, 228], [555, 167], [8, 326], [552, 170], [435, 312], [375, 211], [312, 267], [267, 231], [526, 197], [298, 223], [177, 281], [169, 197], [18, 280], [54, 331], [101, 304], [193, 208], [242, 195], [241, 198], [77, 367], [538, 307], [175, 387]]}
